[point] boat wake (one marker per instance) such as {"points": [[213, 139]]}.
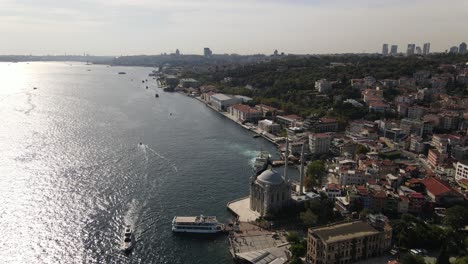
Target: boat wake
{"points": [[145, 147]]}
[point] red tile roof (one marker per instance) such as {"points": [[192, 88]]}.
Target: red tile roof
{"points": [[436, 187]]}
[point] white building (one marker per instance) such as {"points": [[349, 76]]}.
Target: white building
{"points": [[221, 101], [319, 143], [269, 126], [462, 170]]}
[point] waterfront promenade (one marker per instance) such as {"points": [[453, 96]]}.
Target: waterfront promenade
{"points": [[254, 129], [241, 208]]}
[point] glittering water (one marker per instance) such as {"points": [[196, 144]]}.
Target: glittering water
{"points": [[72, 171]]}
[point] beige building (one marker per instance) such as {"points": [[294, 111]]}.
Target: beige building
{"points": [[347, 242]]}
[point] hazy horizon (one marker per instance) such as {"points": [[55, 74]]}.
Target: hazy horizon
{"points": [[134, 27]]}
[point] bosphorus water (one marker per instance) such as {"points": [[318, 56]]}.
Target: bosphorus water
{"points": [[73, 171]]}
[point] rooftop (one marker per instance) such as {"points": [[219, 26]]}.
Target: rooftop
{"points": [[344, 231], [221, 97]]}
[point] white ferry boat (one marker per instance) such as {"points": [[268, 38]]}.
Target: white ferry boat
{"points": [[196, 224]]}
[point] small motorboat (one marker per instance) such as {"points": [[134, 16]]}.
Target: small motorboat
{"points": [[128, 240], [256, 136], [122, 73], [146, 87], [34, 88], [156, 95]]}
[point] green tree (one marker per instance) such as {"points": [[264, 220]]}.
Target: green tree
{"points": [[361, 149], [309, 218], [315, 171], [298, 250], [456, 217], [293, 237], [461, 260]]}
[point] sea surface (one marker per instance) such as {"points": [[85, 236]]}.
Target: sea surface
{"points": [[73, 172]]}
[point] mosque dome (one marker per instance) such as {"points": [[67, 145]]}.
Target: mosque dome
{"points": [[270, 176]]}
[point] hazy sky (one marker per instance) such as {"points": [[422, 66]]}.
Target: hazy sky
{"points": [[124, 27]]}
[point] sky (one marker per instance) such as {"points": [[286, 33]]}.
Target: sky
{"points": [[132, 27]]}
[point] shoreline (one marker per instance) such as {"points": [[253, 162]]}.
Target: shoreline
{"points": [[254, 130]]}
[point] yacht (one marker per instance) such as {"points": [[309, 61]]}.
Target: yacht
{"points": [[128, 240], [196, 224], [262, 161]]}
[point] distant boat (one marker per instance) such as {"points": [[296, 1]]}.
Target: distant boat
{"points": [[128, 240], [34, 88], [146, 87], [156, 95], [256, 136], [122, 73]]}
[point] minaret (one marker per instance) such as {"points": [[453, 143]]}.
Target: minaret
{"points": [[286, 159], [301, 185]]}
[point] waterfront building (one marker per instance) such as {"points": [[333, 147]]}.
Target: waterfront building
{"points": [[410, 49], [207, 52], [222, 101], [319, 143], [426, 48], [269, 111], [269, 192], [385, 49], [462, 170], [348, 242], [244, 113], [269, 126], [177, 52], [394, 49], [188, 82], [462, 48], [289, 120]]}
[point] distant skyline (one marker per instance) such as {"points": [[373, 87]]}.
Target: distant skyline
{"points": [[132, 27]]}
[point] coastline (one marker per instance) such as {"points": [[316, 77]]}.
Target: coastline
{"points": [[255, 130]]}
